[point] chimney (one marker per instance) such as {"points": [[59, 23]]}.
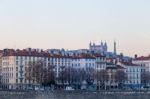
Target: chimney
{"points": [[135, 56]]}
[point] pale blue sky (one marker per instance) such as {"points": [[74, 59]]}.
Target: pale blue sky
{"points": [[72, 24]]}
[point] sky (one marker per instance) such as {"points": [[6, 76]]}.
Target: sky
{"points": [[72, 24]]}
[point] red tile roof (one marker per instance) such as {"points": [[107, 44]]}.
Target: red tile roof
{"points": [[98, 55], [60, 56], [143, 58], [34, 53], [129, 64], [83, 56], [12, 52]]}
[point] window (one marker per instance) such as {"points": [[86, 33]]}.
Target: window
{"points": [[29, 58], [17, 57], [133, 70], [16, 74], [78, 64], [137, 76], [21, 57], [137, 70], [25, 58], [21, 80], [93, 64], [17, 62], [86, 64], [16, 80]]}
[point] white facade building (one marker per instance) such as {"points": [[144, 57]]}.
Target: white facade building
{"points": [[133, 75], [59, 61], [83, 61], [144, 62], [100, 63], [14, 64]]}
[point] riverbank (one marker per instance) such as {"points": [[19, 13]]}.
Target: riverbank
{"points": [[74, 95]]}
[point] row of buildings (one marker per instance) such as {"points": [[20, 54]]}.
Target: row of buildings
{"points": [[13, 64]]}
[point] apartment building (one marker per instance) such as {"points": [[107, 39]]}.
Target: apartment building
{"points": [[143, 61], [133, 72], [100, 62], [14, 64], [85, 61]]}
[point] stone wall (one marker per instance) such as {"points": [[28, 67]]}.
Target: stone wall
{"points": [[74, 95]]}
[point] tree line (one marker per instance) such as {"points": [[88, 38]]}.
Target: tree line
{"points": [[40, 73]]}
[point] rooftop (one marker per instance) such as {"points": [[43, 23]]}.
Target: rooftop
{"points": [[41, 53], [143, 58]]}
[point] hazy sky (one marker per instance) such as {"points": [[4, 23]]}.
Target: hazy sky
{"points": [[72, 24]]}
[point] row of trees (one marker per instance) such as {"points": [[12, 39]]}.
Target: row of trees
{"points": [[74, 76], [103, 77], [39, 73]]}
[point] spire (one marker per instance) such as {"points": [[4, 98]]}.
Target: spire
{"points": [[115, 52], [105, 43], [105, 46], [90, 43], [101, 43]]}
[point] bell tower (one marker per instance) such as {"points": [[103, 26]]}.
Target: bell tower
{"points": [[115, 50]]}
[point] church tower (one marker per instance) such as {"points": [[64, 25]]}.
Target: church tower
{"points": [[105, 47], [115, 50]]}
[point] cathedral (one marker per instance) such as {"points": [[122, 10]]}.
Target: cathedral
{"points": [[100, 48]]}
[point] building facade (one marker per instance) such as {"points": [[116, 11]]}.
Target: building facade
{"points": [[15, 63], [143, 61], [133, 72]]}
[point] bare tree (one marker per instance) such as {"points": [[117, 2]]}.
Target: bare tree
{"points": [[74, 76], [50, 75], [78, 75], [64, 75], [28, 72], [81, 75], [89, 72], [0, 81], [101, 78], [68, 75], [120, 77], [39, 73]]}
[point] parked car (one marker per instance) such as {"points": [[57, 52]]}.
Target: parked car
{"points": [[41, 89], [36, 88], [69, 88], [29, 88]]}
